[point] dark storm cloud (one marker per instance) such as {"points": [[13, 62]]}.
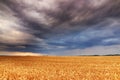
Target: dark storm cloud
{"points": [[68, 12], [105, 33], [48, 25], [64, 16], [12, 28]]}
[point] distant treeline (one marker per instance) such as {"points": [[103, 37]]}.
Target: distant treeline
{"points": [[102, 55]]}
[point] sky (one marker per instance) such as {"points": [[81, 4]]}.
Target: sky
{"points": [[60, 27]]}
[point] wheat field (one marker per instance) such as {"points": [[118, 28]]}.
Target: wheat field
{"points": [[60, 68]]}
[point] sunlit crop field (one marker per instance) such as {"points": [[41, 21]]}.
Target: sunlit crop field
{"points": [[60, 68]]}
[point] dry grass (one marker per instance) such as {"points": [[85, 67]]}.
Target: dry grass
{"points": [[60, 68]]}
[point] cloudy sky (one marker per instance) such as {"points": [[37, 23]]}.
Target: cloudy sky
{"points": [[60, 27]]}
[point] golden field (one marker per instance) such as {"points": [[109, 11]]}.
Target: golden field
{"points": [[60, 68]]}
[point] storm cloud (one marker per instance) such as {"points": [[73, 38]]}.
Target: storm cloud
{"points": [[55, 25]]}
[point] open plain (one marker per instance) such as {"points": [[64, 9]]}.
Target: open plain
{"points": [[60, 68]]}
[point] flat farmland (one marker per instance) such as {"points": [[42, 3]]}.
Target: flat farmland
{"points": [[60, 68]]}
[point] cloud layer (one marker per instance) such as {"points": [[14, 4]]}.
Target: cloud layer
{"points": [[55, 25], [97, 50]]}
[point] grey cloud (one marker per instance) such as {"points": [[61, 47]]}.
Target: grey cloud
{"points": [[67, 11], [3, 47], [111, 40], [12, 28], [105, 33], [96, 50], [38, 23], [64, 16]]}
